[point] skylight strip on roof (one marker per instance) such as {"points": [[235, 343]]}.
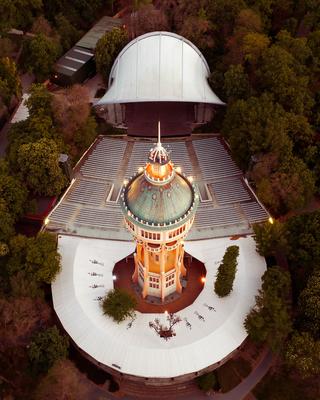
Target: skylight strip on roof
{"points": [[64, 66], [83, 52], [75, 59]]}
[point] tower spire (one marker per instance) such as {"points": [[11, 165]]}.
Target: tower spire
{"points": [[159, 134]]}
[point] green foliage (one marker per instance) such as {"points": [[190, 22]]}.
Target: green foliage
{"points": [[207, 381], [39, 55], [309, 306], [119, 304], [42, 255], [37, 257], [304, 241], [7, 221], [297, 47], [12, 192], [270, 238], [4, 249], [269, 321], [254, 44], [236, 83], [80, 13], [86, 134], [226, 272], [289, 187], [38, 165], [46, 348], [303, 354], [69, 35], [18, 14], [282, 75], [250, 130], [39, 102], [108, 48], [10, 84]]}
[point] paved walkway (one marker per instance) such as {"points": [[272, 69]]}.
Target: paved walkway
{"points": [[238, 393], [26, 82], [245, 387]]}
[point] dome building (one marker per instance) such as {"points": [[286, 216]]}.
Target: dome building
{"points": [[159, 206]]}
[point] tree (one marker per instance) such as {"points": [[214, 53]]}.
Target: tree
{"points": [[35, 256], [71, 110], [18, 14], [290, 187], [236, 83], [42, 25], [309, 306], [251, 131], [108, 47], [7, 221], [10, 84], [39, 167], [269, 321], [303, 354], [226, 272], [85, 135], [281, 74], [253, 46], [46, 348], [39, 55], [207, 381], [4, 249], [20, 318], [303, 138], [222, 14], [6, 47], [63, 381], [43, 258], [297, 47], [270, 238], [40, 101], [119, 304], [69, 35], [304, 241], [146, 19], [248, 21], [198, 29], [12, 192]]}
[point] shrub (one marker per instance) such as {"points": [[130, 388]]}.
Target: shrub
{"points": [[207, 381], [226, 272], [119, 304]]}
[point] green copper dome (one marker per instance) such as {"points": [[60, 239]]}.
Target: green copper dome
{"points": [[158, 204]]}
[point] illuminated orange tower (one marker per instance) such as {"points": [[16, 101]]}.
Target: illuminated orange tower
{"points": [[159, 206]]}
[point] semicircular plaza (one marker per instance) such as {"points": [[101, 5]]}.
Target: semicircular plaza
{"points": [[210, 329]]}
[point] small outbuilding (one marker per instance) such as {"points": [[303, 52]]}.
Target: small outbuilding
{"points": [[74, 67], [78, 63]]}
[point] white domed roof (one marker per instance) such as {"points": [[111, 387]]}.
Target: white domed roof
{"points": [[159, 66]]}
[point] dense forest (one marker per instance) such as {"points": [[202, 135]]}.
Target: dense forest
{"points": [[264, 57]]}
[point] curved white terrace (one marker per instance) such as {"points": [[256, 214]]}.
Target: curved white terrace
{"points": [[86, 275]]}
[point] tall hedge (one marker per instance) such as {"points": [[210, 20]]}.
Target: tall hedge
{"points": [[226, 272]]}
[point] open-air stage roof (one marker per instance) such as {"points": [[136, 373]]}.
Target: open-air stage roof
{"points": [[160, 66], [87, 275]]}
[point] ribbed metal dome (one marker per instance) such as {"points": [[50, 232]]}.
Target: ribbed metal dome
{"points": [[159, 204]]}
